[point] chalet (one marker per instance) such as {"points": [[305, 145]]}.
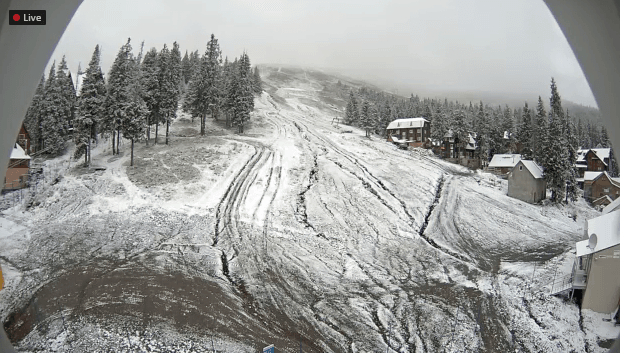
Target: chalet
{"points": [[415, 132], [597, 159], [450, 145], [17, 172], [592, 160], [599, 184], [595, 270], [502, 164], [526, 182], [23, 139]]}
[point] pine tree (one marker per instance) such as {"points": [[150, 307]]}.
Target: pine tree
{"points": [[525, 133], [118, 93], [170, 76], [385, 118], [243, 96], [187, 68], [557, 166], [34, 116], [54, 115], [68, 101], [150, 89], [480, 127], [539, 135], [90, 102], [580, 138], [604, 138], [571, 169], [257, 82], [366, 118], [439, 125], [351, 110], [133, 122]]}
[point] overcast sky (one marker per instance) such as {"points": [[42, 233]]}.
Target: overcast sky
{"points": [[510, 47]]}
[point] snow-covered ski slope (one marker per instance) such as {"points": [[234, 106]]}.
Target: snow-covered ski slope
{"points": [[296, 229]]}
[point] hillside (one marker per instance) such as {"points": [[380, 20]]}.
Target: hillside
{"points": [[299, 230]]}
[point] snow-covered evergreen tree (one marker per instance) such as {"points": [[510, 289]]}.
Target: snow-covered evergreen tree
{"points": [[54, 115], [605, 138], [384, 119], [352, 110], [133, 122], [150, 89], [34, 115], [539, 135], [242, 94], [90, 103], [366, 117], [118, 94], [571, 155], [68, 102], [257, 82], [525, 133], [170, 76], [187, 68], [556, 161]]}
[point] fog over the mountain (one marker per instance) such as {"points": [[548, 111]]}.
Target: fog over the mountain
{"points": [[468, 50]]}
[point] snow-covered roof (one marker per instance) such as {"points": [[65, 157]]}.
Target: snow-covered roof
{"points": [[449, 134], [581, 155], [601, 153], [582, 166], [612, 206], [603, 232], [18, 153], [504, 160], [471, 145], [591, 175], [614, 181], [407, 123], [534, 168]]}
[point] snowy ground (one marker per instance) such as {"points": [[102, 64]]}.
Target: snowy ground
{"points": [[292, 231]]}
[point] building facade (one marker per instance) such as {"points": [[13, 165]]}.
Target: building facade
{"points": [[526, 182], [415, 132]]}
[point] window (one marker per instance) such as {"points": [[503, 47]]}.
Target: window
{"points": [[606, 190], [520, 167]]}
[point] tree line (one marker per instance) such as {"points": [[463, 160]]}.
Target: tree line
{"points": [[550, 138], [140, 92]]}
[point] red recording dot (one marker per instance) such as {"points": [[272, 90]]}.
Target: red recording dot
{"points": [[16, 17]]}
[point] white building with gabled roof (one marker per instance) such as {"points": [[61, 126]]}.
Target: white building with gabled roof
{"points": [[414, 132]]}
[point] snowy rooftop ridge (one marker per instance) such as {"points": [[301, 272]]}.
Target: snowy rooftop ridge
{"points": [[18, 153], [591, 175], [612, 206], [601, 153], [504, 160], [534, 168], [407, 123], [603, 232]]}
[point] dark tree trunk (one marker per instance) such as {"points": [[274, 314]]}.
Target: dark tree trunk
{"points": [[113, 142], [156, 131], [118, 140], [131, 164], [148, 130], [167, 129], [202, 124]]}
